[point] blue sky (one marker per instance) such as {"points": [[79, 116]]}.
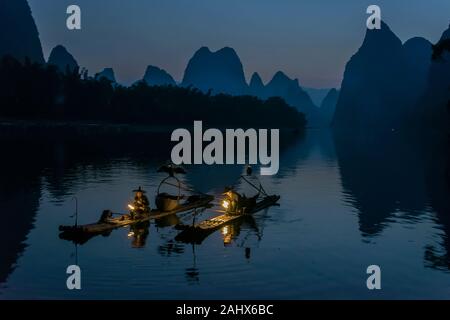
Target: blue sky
{"points": [[307, 39]]}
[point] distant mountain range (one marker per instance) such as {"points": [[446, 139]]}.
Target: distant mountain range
{"points": [[389, 85], [220, 72], [213, 72], [62, 59], [107, 73], [155, 76], [217, 72], [19, 36], [328, 105], [435, 103], [317, 94], [289, 89]]}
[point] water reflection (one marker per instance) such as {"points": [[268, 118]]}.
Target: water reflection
{"points": [[170, 248], [397, 176], [382, 176], [232, 231], [169, 221], [366, 188], [139, 233], [229, 234], [438, 187], [193, 273], [229, 231], [20, 191]]}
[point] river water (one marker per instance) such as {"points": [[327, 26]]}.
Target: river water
{"points": [[345, 204]]}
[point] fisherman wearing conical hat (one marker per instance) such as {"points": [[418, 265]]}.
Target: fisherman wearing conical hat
{"points": [[141, 205], [232, 203]]}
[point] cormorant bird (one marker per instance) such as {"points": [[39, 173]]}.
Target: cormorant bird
{"points": [[172, 169]]}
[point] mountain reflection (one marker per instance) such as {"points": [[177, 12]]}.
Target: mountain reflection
{"points": [[381, 176], [20, 190], [397, 176], [386, 180], [438, 187]]}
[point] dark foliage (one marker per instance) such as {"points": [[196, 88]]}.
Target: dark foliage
{"points": [[438, 52], [36, 92], [439, 48]]}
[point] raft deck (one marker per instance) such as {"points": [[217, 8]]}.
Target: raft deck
{"points": [[202, 229], [125, 219]]}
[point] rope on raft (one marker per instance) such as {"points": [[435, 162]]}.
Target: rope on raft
{"points": [[184, 187], [260, 189]]}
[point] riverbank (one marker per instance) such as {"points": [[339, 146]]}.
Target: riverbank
{"points": [[31, 127]]}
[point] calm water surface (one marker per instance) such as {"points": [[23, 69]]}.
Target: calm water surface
{"points": [[345, 205]]}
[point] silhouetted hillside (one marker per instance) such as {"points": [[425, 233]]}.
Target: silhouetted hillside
{"points": [[107, 73], [328, 106], [62, 59], [33, 91], [418, 53], [19, 36], [256, 86], [317, 95], [382, 82], [155, 76], [219, 71], [437, 96], [222, 72], [290, 90]]}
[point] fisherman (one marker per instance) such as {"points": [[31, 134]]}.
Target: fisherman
{"points": [[141, 205], [233, 201], [239, 204]]}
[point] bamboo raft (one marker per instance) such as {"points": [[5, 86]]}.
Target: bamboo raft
{"points": [[201, 230], [121, 220]]}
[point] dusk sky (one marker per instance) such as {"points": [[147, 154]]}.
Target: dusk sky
{"points": [[309, 40]]}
